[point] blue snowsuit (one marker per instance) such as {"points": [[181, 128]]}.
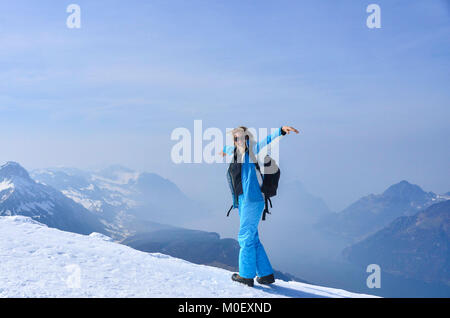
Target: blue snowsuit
{"points": [[253, 259]]}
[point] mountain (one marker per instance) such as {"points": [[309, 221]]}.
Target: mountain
{"points": [[160, 200], [195, 246], [130, 201], [373, 212], [297, 204], [21, 195], [288, 230], [45, 262], [415, 246]]}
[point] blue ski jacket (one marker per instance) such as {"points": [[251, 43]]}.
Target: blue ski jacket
{"points": [[250, 184]]}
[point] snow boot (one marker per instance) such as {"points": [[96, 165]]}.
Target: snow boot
{"points": [[266, 280], [239, 279]]}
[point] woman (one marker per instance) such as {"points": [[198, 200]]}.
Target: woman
{"points": [[252, 257]]}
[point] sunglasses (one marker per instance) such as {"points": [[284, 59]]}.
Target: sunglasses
{"points": [[237, 138]]}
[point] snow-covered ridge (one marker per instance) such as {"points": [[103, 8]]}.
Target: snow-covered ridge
{"points": [[98, 193], [38, 261]]}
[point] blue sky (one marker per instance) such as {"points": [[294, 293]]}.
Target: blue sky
{"points": [[372, 104]]}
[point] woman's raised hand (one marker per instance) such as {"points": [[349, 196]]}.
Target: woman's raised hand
{"points": [[288, 129]]}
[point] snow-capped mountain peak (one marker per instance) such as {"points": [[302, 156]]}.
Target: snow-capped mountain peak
{"points": [[21, 195], [13, 170], [13, 178]]}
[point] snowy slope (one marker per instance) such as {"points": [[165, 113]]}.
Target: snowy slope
{"points": [[38, 261]]}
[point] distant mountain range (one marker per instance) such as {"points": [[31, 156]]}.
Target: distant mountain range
{"points": [[198, 247], [373, 212], [115, 201], [129, 201], [21, 195], [415, 246]]}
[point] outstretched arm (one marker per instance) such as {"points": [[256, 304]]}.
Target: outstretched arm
{"points": [[279, 132], [228, 150]]}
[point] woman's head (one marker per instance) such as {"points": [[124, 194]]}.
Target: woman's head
{"points": [[241, 135]]}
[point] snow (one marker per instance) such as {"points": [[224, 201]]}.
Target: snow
{"points": [[441, 197], [37, 261], [89, 204], [89, 188], [100, 236], [121, 178], [19, 184], [6, 184], [97, 205], [44, 171]]}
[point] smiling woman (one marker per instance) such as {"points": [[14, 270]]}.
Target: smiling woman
{"points": [[251, 198]]}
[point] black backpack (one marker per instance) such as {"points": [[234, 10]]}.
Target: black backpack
{"points": [[269, 185]]}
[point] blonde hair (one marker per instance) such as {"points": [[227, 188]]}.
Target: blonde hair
{"points": [[243, 130]]}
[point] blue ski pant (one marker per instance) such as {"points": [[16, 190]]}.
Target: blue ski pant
{"points": [[253, 259]]}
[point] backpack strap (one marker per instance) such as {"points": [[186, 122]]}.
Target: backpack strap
{"points": [[266, 207], [228, 213]]}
